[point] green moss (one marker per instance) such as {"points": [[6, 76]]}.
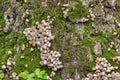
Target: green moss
{"points": [[77, 11], [38, 15], [57, 77], [2, 22], [8, 42], [87, 28], [31, 59]]}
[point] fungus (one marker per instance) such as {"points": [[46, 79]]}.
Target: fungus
{"points": [[41, 36], [102, 71]]}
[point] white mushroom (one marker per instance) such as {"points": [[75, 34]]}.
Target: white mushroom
{"points": [[9, 63], [3, 67]]}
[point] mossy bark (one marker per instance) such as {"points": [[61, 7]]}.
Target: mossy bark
{"points": [[75, 41]]}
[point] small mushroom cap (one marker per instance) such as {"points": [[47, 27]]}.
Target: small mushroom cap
{"points": [[9, 63], [3, 67]]}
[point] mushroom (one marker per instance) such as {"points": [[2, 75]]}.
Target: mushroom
{"points": [[41, 36], [3, 67]]}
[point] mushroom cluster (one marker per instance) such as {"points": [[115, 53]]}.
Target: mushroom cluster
{"points": [[14, 76], [31, 34], [116, 58], [44, 4], [41, 36], [102, 71], [83, 20], [27, 12], [111, 45], [65, 10], [9, 65], [52, 60], [102, 65], [51, 75], [7, 69], [92, 16]]}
